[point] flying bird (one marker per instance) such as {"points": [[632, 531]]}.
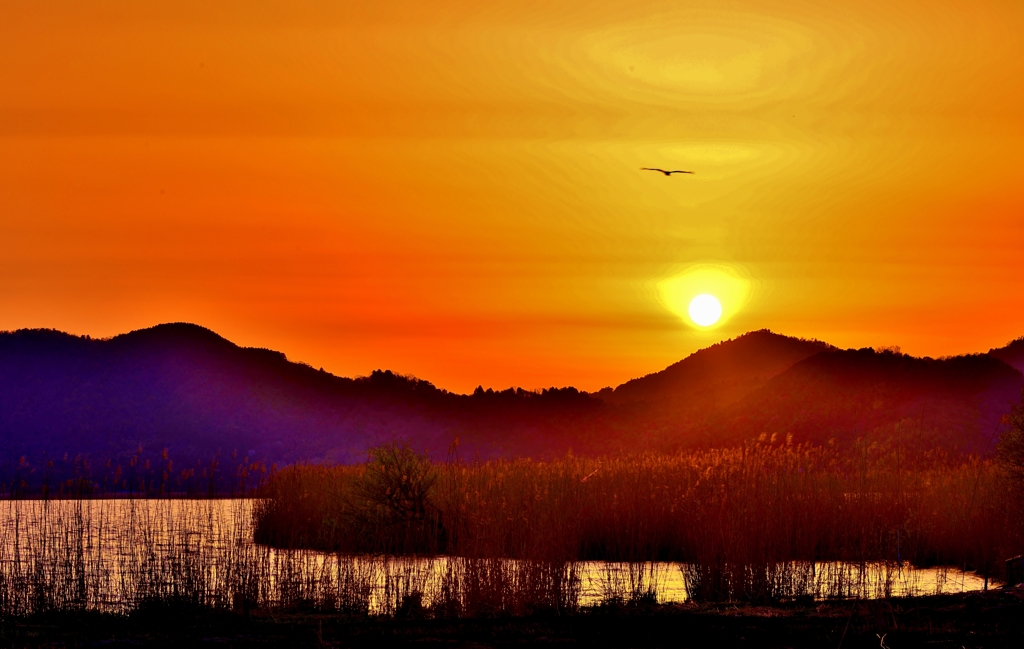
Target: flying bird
{"points": [[666, 172]]}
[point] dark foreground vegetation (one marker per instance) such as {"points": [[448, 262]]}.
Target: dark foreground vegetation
{"points": [[993, 619], [768, 522], [752, 523]]}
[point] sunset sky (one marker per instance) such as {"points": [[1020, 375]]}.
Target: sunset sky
{"points": [[453, 189]]}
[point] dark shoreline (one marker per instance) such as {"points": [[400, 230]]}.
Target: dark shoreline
{"points": [[990, 619]]}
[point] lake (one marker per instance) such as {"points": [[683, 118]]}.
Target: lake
{"points": [[118, 555]]}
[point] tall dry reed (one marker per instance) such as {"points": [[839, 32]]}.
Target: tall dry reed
{"points": [[754, 522], [121, 556]]}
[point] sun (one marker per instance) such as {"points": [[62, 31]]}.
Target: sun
{"points": [[706, 295], [705, 310]]}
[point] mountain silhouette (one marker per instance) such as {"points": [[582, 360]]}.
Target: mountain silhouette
{"points": [[183, 388], [1012, 354], [844, 394], [719, 374]]}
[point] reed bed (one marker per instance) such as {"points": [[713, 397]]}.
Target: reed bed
{"points": [[402, 535], [121, 556], [756, 523]]}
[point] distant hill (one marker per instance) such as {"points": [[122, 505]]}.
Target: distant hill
{"points": [[1012, 354], [186, 389], [844, 394], [719, 374], [183, 388]]}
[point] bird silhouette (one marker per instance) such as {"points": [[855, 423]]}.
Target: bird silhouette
{"points": [[666, 172]]}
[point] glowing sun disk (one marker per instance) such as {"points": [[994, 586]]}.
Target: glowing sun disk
{"points": [[705, 310]]}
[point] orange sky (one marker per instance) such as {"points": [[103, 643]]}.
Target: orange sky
{"points": [[452, 189]]}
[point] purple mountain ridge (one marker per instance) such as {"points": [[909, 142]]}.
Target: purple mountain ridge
{"points": [[183, 388]]}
